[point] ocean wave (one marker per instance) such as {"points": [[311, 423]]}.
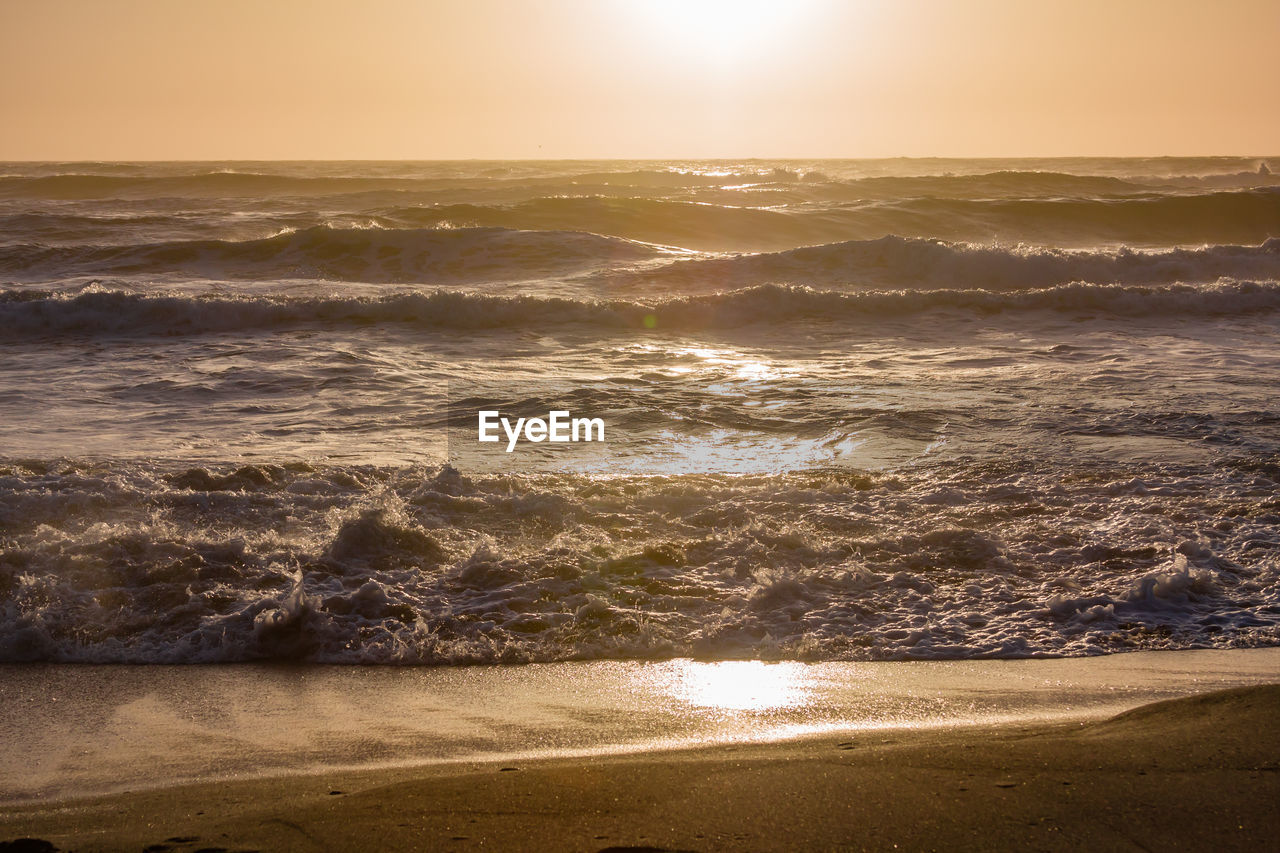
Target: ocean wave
{"points": [[147, 563], [959, 178], [816, 181], [227, 183], [1008, 183], [102, 181], [569, 177], [1236, 216], [684, 223], [30, 231], [435, 250], [735, 223], [709, 215], [914, 263], [95, 311], [347, 254]]}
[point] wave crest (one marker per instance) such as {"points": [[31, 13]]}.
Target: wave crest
{"points": [[116, 312], [346, 254]]}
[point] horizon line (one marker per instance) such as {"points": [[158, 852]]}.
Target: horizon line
{"points": [[635, 159]]}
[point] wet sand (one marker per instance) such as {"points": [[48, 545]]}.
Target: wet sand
{"points": [[73, 732], [1193, 773]]}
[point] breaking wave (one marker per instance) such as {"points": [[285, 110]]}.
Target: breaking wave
{"points": [[147, 564]]}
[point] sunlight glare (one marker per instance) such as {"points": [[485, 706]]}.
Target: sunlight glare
{"points": [[749, 685], [719, 29]]}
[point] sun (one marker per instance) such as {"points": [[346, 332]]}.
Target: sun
{"points": [[719, 29]]}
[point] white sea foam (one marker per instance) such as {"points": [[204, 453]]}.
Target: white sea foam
{"points": [[132, 564]]}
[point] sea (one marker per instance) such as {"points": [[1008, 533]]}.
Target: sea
{"points": [[854, 410]]}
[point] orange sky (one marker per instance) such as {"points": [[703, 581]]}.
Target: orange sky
{"points": [[409, 79]]}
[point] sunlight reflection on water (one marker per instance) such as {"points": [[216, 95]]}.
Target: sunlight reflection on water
{"points": [[734, 685]]}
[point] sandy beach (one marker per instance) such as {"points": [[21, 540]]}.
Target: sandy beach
{"points": [[1185, 774]]}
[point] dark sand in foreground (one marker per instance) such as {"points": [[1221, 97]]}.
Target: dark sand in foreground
{"points": [[1201, 773]]}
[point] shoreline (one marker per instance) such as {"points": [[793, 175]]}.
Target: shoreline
{"points": [[75, 732], [1189, 773]]}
